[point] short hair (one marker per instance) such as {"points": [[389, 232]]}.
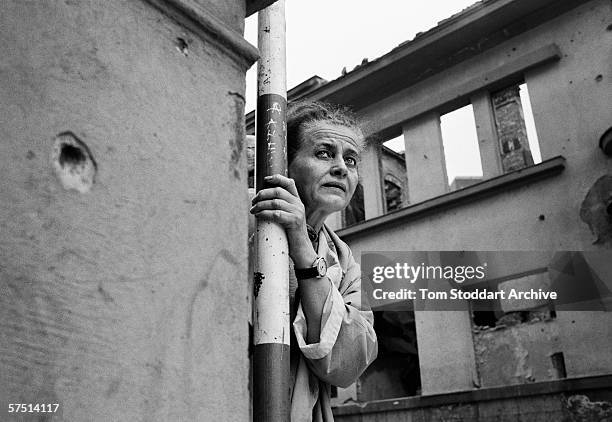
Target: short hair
{"points": [[302, 114]]}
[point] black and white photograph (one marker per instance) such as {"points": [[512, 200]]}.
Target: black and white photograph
{"points": [[305, 211]]}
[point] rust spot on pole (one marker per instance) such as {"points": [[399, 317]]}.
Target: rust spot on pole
{"points": [[257, 282]]}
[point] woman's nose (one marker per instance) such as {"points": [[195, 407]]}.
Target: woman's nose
{"points": [[339, 168]]}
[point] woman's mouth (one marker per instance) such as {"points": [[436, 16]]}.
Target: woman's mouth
{"points": [[335, 185]]}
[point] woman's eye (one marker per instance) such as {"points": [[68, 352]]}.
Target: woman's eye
{"points": [[350, 161], [324, 154]]}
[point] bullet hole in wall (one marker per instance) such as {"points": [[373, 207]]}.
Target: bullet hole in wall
{"points": [[541, 217], [73, 163], [71, 155], [182, 46], [599, 78]]}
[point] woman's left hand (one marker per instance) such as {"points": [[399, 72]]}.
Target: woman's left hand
{"points": [[282, 205]]}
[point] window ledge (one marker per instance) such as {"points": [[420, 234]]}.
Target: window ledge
{"points": [[568, 385], [490, 187]]}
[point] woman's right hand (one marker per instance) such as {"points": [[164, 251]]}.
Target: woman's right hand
{"points": [[281, 204]]}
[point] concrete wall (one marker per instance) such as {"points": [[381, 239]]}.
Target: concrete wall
{"points": [[518, 354], [425, 155], [122, 299], [571, 104]]}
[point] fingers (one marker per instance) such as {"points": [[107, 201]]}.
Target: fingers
{"points": [[284, 218], [281, 187], [276, 205], [272, 193], [279, 203], [283, 182]]}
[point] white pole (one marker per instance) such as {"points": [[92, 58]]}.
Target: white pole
{"points": [[271, 401]]}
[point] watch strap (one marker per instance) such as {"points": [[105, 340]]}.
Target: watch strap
{"points": [[317, 270], [305, 273]]}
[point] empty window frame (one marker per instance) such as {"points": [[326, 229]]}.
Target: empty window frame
{"points": [[461, 153], [393, 172], [396, 371], [532, 135]]}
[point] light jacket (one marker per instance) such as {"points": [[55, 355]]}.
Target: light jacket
{"points": [[347, 343]]}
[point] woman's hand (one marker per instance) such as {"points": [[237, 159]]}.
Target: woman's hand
{"points": [[282, 205]]}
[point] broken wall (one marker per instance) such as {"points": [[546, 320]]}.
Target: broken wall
{"points": [[123, 210], [511, 130], [393, 170]]}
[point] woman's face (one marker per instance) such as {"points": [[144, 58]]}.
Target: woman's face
{"points": [[325, 167]]}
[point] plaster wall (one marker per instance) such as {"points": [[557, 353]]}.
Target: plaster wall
{"points": [[446, 353], [486, 133], [571, 103], [126, 302], [425, 155], [369, 167], [528, 348], [524, 349]]}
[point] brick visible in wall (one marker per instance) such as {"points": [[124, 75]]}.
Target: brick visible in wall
{"points": [[511, 130]]}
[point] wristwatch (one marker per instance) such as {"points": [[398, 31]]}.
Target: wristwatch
{"points": [[317, 270]]}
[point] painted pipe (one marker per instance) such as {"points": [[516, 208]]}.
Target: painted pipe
{"points": [[271, 401]]}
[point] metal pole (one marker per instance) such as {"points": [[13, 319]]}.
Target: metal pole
{"points": [[271, 401]]}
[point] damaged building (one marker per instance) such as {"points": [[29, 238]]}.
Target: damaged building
{"points": [[544, 191]]}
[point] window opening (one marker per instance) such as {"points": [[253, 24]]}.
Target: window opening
{"points": [[558, 364], [489, 313], [461, 152], [532, 136], [395, 372], [393, 171], [396, 144]]}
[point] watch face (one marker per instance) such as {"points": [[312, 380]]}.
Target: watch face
{"points": [[321, 267]]}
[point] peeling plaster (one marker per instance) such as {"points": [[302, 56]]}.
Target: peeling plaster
{"points": [[596, 209]]}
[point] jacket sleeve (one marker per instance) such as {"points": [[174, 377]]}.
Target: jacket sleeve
{"points": [[347, 343]]}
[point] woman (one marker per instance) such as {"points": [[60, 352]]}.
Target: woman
{"points": [[334, 340]]}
